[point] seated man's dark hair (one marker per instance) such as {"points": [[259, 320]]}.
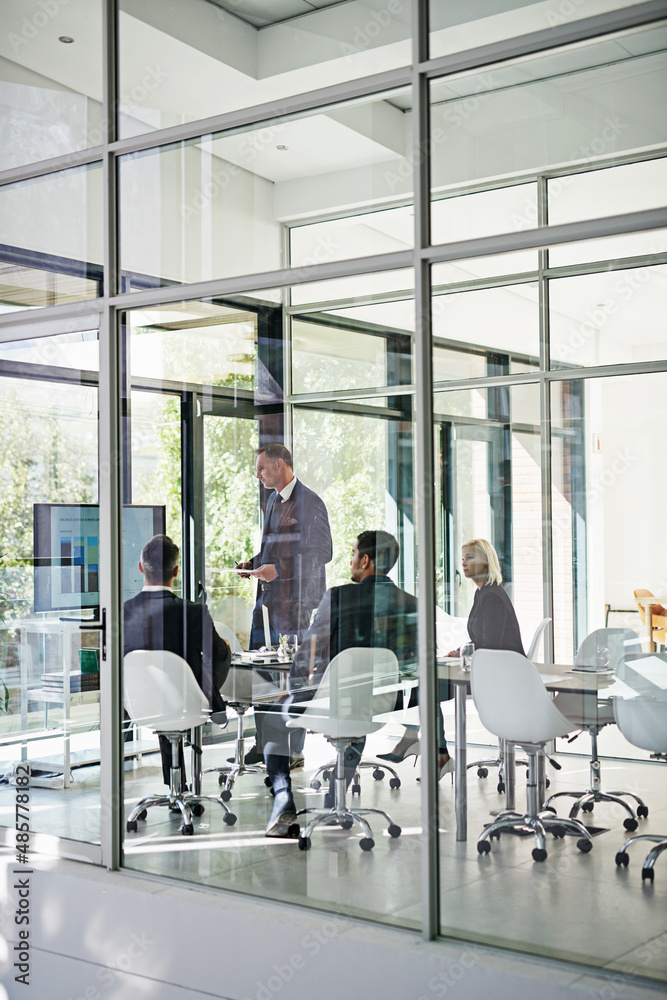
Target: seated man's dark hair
{"points": [[159, 558], [275, 450], [381, 548]]}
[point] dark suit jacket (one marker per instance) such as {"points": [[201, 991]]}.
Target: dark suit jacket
{"points": [[373, 613], [158, 619], [297, 541], [492, 623]]}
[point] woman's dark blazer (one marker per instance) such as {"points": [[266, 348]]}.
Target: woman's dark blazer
{"points": [[492, 623]]}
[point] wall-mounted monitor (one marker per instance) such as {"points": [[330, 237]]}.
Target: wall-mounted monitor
{"points": [[66, 552]]}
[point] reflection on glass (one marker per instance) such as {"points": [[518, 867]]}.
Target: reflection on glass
{"points": [[50, 80], [353, 236], [484, 213], [176, 202], [51, 239], [608, 318], [49, 469], [199, 59]]}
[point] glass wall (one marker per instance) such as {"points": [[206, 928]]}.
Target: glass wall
{"points": [[302, 212], [50, 657]]}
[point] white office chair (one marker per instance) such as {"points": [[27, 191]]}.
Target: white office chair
{"points": [[499, 761], [605, 648], [161, 692], [513, 703], [243, 688], [643, 722], [359, 684]]}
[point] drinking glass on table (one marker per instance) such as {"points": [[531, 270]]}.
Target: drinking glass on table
{"points": [[467, 649]]}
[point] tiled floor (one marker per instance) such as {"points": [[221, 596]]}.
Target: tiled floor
{"points": [[574, 906]]}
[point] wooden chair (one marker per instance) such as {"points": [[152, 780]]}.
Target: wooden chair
{"points": [[658, 617]]}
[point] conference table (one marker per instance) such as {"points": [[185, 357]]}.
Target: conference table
{"points": [[557, 677]]}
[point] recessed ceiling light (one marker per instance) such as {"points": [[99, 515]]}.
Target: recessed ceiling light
{"points": [[67, 39], [282, 148]]}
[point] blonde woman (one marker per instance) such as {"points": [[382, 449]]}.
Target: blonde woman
{"points": [[492, 623]]}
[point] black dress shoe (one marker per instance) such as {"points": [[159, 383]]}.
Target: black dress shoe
{"points": [[255, 755], [283, 822]]}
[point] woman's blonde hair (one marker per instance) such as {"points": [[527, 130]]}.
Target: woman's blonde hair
{"points": [[487, 554]]}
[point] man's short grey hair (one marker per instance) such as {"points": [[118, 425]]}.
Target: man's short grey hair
{"points": [[275, 450]]}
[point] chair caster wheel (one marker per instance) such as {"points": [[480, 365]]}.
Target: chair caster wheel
{"points": [[501, 787], [187, 829], [225, 795], [356, 789], [222, 778], [325, 777], [642, 811], [495, 835], [229, 819], [294, 831], [587, 807], [347, 824], [648, 873], [558, 832], [367, 843], [267, 781], [482, 772], [316, 784], [394, 782], [547, 782], [304, 843], [143, 814], [378, 774], [394, 830], [131, 826], [630, 824], [539, 854], [197, 809], [484, 847], [622, 858], [585, 845]]}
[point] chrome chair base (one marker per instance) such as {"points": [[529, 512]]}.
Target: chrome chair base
{"points": [[188, 803], [622, 857], [228, 773], [339, 814], [325, 771]]}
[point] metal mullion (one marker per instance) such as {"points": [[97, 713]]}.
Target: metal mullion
{"points": [[607, 371], [67, 161], [535, 239], [343, 394], [67, 318], [600, 266], [110, 478], [536, 42], [425, 514], [242, 118]]}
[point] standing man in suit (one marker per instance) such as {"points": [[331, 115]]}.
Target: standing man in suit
{"points": [[290, 565], [157, 619], [371, 611]]}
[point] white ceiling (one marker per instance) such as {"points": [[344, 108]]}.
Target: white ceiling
{"points": [[262, 13]]}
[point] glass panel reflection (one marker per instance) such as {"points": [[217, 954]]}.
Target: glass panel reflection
{"points": [[49, 586], [307, 570]]}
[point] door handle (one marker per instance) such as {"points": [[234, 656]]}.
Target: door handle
{"points": [[102, 627]]}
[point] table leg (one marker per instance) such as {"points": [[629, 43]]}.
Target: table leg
{"points": [[648, 628], [460, 773], [510, 775], [195, 744]]}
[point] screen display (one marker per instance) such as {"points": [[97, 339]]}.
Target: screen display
{"points": [[66, 549]]}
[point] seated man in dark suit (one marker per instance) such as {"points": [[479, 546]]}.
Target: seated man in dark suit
{"points": [[373, 612], [157, 619]]}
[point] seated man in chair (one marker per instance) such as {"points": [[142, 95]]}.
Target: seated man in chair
{"points": [[371, 611], [157, 619]]}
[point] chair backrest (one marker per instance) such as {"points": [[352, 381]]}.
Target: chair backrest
{"points": [[656, 609], [535, 641], [643, 722], [608, 647], [229, 636], [360, 683], [511, 698], [160, 691]]}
